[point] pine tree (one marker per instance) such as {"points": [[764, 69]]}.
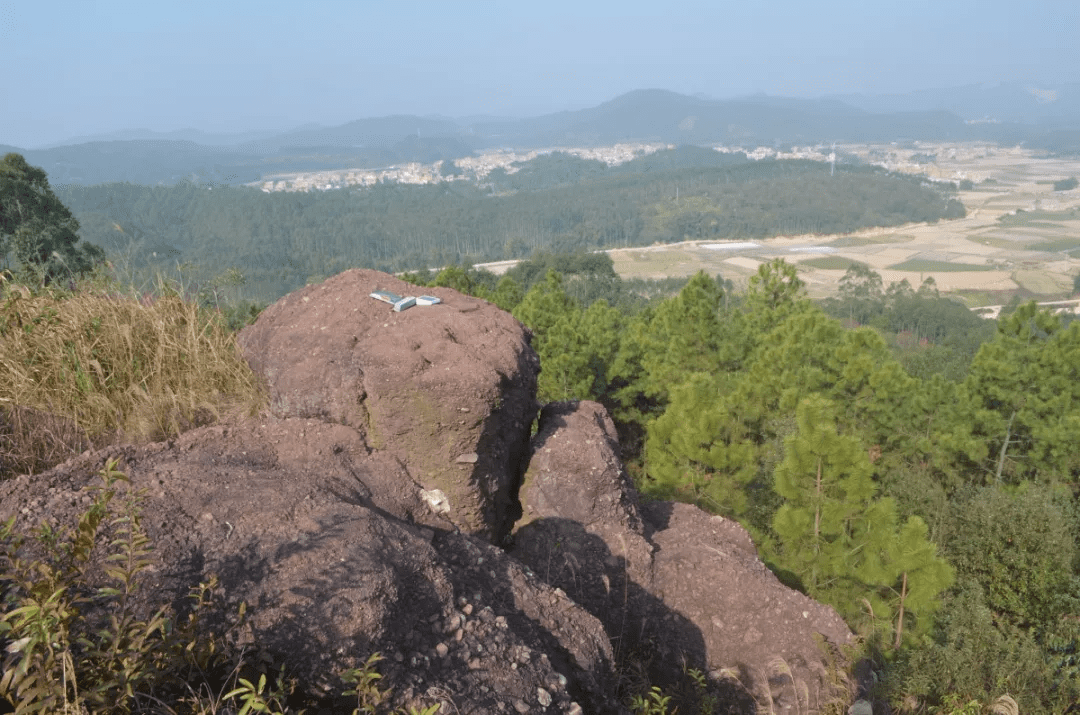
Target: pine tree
{"points": [[825, 480], [684, 335], [1023, 399], [923, 576], [774, 293], [695, 451], [544, 305], [845, 544]]}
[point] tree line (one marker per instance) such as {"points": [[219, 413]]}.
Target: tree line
{"points": [[280, 241]]}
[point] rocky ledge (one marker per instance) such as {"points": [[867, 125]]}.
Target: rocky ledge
{"points": [[390, 500]]}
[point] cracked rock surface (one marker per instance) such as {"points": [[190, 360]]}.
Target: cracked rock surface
{"points": [[449, 390]]}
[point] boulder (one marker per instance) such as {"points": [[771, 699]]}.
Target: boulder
{"points": [[330, 577], [448, 390], [674, 586], [778, 643]]}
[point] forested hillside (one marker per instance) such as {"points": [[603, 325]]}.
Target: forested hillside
{"points": [[280, 241], [920, 475]]}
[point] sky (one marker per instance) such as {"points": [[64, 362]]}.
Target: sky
{"points": [[81, 67]]}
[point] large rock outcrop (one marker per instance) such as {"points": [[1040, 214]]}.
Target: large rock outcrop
{"points": [[672, 584], [448, 390], [365, 509], [355, 515], [330, 577]]}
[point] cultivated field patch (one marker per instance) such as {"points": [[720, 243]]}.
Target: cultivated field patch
{"points": [[924, 265], [829, 262], [852, 241], [1017, 238]]}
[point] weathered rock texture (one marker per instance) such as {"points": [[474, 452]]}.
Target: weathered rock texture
{"points": [[449, 390], [364, 510], [331, 577], [669, 582]]}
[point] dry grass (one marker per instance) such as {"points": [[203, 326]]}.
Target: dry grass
{"points": [[87, 367]]}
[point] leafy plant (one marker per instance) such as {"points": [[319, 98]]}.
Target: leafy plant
{"points": [[61, 659], [654, 702], [364, 682], [258, 699]]}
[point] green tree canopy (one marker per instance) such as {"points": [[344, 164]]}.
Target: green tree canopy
{"points": [[774, 293], [1018, 546], [1023, 393], [847, 546], [36, 229]]}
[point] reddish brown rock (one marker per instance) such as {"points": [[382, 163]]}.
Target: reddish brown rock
{"points": [[673, 586], [330, 577], [430, 385]]}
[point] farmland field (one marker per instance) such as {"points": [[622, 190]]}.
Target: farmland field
{"points": [[1019, 236]]}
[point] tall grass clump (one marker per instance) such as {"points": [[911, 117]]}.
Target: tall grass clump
{"points": [[85, 367]]}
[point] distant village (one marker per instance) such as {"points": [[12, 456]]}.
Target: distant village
{"points": [[476, 168]]}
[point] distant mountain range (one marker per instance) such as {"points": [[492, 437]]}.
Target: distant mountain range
{"points": [[1042, 117], [1057, 106]]}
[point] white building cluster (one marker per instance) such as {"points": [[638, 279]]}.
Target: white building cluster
{"points": [[474, 168]]}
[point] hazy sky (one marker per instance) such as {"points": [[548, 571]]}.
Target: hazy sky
{"points": [[76, 67]]}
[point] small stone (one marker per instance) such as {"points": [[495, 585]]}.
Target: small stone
{"points": [[474, 664], [441, 650], [500, 622], [861, 707], [543, 697], [468, 458], [459, 634], [467, 609], [521, 706], [452, 622], [574, 709]]}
